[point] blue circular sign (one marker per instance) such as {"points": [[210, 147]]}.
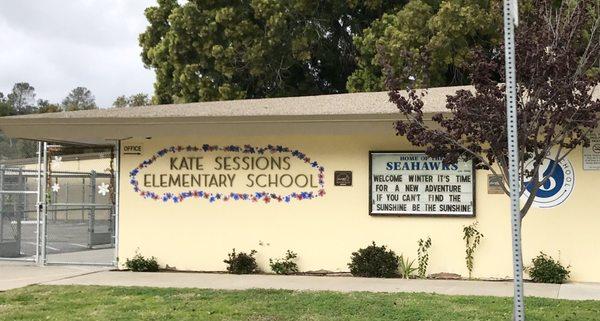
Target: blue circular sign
{"points": [[557, 187]]}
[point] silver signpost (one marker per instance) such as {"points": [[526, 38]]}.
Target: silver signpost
{"points": [[510, 21]]}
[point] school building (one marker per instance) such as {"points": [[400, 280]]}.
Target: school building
{"points": [[322, 176]]}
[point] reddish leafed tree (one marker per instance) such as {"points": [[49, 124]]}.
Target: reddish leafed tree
{"points": [[557, 60]]}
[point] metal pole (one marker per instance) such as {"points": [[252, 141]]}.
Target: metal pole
{"points": [[510, 13], [1, 204], [82, 199], [116, 179], [19, 210], [44, 205], [38, 203], [25, 198], [92, 212], [66, 213], [54, 199]]}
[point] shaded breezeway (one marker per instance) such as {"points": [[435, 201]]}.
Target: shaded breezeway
{"points": [[74, 222]]}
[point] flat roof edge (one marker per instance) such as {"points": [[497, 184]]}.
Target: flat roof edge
{"points": [[9, 122]]}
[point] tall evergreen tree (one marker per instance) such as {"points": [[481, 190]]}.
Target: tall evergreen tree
{"points": [[222, 49], [22, 98], [44, 106], [136, 100], [121, 102], [5, 107], [80, 98], [442, 32], [140, 99]]}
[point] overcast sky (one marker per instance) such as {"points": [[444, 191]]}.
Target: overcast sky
{"points": [[58, 45]]}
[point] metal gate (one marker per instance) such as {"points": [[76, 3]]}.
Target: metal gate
{"points": [[52, 215], [20, 199]]}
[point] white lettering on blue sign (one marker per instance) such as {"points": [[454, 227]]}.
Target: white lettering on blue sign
{"points": [[557, 188]]}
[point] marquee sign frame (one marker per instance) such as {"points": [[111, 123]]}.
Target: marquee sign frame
{"points": [[369, 203]]}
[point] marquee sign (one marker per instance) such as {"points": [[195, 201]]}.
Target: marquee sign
{"points": [[223, 173], [409, 183], [557, 188]]}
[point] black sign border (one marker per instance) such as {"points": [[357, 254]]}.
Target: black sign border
{"points": [[370, 204]]}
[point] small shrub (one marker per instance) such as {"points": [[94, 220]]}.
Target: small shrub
{"points": [[139, 263], [545, 269], [472, 238], [406, 267], [286, 265], [241, 263], [374, 261], [423, 256]]}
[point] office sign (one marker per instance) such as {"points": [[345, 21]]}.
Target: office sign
{"points": [[411, 183], [129, 149]]}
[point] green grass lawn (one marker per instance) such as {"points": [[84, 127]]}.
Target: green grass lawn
{"points": [[131, 303]]}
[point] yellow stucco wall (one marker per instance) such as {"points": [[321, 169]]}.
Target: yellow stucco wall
{"points": [[197, 235]]}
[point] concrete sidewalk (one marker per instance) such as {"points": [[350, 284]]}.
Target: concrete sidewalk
{"points": [[70, 275], [18, 274], [570, 291]]}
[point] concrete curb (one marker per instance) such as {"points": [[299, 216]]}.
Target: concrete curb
{"points": [[569, 291]]}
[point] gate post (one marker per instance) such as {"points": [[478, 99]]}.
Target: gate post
{"points": [[1, 203], [116, 188], [82, 200], [20, 209], [44, 205], [38, 204], [92, 211]]}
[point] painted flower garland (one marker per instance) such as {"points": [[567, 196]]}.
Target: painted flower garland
{"points": [[212, 197]]}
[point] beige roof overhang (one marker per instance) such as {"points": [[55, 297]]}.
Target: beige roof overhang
{"points": [[352, 113]]}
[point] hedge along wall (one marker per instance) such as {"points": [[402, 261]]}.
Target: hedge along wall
{"points": [[197, 231]]}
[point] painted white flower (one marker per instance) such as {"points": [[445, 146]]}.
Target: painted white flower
{"points": [[103, 189], [57, 161], [411, 78], [55, 187]]}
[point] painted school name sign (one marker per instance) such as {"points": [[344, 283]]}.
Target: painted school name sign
{"points": [[223, 173], [405, 183]]}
